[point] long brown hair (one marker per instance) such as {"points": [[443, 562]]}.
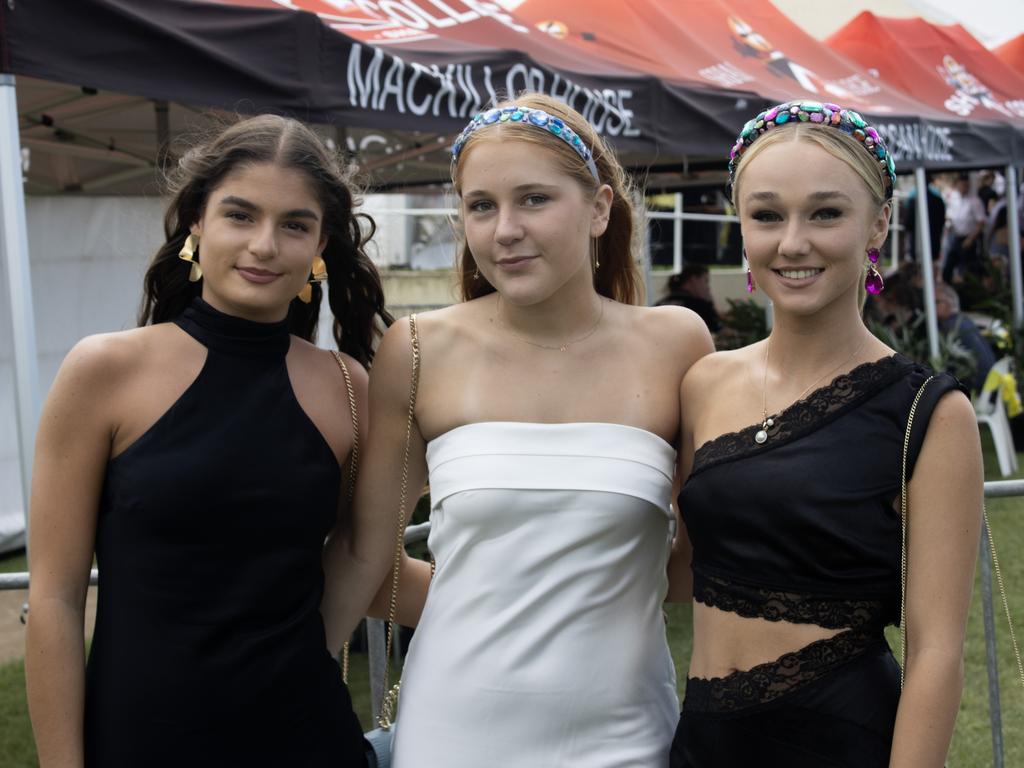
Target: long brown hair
{"points": [[618, 276], [355, 296]]}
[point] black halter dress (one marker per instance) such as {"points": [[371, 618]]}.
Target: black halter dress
{"points": [[802, 529], [209, 647]]}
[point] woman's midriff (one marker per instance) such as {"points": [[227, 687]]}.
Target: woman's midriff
{"points": [[724, 643]]}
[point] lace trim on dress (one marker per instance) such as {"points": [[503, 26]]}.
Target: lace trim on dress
{"points": [[773, 605], [803, 416], [767, 682]]}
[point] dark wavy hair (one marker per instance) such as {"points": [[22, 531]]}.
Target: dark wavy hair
{"points": [[356, 296], [618, 276]]}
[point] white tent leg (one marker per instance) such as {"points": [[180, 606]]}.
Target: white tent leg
{"points": [[927, 273], [19, 283], [1013, 234]]}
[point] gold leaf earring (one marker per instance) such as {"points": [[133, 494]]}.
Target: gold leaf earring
{"points": [[188, 253], [318, 275]]}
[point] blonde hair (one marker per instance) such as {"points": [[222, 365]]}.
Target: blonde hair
{"points": [[837, 143], [618, 276], [840, 145]]}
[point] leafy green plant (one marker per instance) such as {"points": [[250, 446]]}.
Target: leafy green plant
{"points": [[745, 322], [911, 339]]}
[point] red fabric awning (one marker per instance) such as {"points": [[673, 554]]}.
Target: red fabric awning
{"points": [[746, 45], [666, 82], [1011, 54], [942, 65]]}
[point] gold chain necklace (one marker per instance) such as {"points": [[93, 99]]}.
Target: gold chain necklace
{"points": [[761, 436], [561, 347]]}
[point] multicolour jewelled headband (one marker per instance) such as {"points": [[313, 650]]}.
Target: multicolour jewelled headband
{"points": [[528, 116], [846, 120]]}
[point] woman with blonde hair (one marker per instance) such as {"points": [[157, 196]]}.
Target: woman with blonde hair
{"points": [[545, 419], [795, 451]]}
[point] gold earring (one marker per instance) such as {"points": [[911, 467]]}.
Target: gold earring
{"points": [[188, 253], [319, 274], [597, 254]]}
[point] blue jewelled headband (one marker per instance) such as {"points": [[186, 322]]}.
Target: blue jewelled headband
{"points": [[528, 116], [846, 120]]}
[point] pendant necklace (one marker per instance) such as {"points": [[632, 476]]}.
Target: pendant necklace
{"points": [[565, 344], [761, 436]]}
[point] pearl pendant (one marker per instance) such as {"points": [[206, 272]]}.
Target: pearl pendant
{"points": [[760, 437]]}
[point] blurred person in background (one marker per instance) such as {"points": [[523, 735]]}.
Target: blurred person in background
{"points": [[967, 219], [691, 288]]}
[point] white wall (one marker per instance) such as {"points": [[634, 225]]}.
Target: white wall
{"points": [[88, 256]]}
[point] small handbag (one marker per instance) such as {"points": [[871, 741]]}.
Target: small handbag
{"points": [[903, 552], [378, 755]]}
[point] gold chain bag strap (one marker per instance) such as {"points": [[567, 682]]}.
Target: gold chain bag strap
{"points": [[389, 704], [903, 553], [353, 470]]}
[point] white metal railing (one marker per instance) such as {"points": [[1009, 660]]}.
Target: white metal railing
{"points": [[677, 216]]}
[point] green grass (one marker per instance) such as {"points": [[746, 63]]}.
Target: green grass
{"points": [[972, 745], [14, 563]]}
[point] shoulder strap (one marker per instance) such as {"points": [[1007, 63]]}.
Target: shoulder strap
{"points": [[903, 554], [388, 704], [353, 459], [942, 383], [353, 469], [903, 529]]}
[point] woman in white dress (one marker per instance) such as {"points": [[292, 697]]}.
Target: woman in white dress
{"points": [[546, 419]]}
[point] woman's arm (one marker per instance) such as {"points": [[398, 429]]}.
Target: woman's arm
{"points": [[945, 502], [72, 449], [357, 562], [691, 390], [414, 581]]}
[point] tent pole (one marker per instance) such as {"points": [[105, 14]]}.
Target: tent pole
{"points": [[677, 234], [19, 283], [640, 204], [927, 273], [1013, 234], [897, 242], [162, 112]]}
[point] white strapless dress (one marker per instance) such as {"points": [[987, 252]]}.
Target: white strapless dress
{"points": [[542, 641]]}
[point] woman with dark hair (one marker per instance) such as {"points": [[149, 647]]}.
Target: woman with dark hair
{"points": [[202, 458], [546, 412]]}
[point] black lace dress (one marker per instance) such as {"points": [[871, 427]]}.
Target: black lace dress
{"points": [[802, 528], [209, 647]]}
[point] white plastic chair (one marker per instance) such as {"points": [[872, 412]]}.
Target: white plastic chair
{"points": [[990, 411]]}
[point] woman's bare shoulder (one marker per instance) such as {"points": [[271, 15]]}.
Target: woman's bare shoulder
{"points": [[722, 366], [109, 357]]}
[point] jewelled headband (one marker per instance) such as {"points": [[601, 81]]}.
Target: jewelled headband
{"points": [[846, 120], [527, 116]]}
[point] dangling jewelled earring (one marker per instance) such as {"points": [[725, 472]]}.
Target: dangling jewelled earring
{"points": [[750, 278], [597, 254], [319, 274], [476, 273], [873, 283], [188, 253]]}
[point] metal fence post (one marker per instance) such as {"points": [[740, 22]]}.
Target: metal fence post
{"points": [[995, 713], [375, 644]]}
